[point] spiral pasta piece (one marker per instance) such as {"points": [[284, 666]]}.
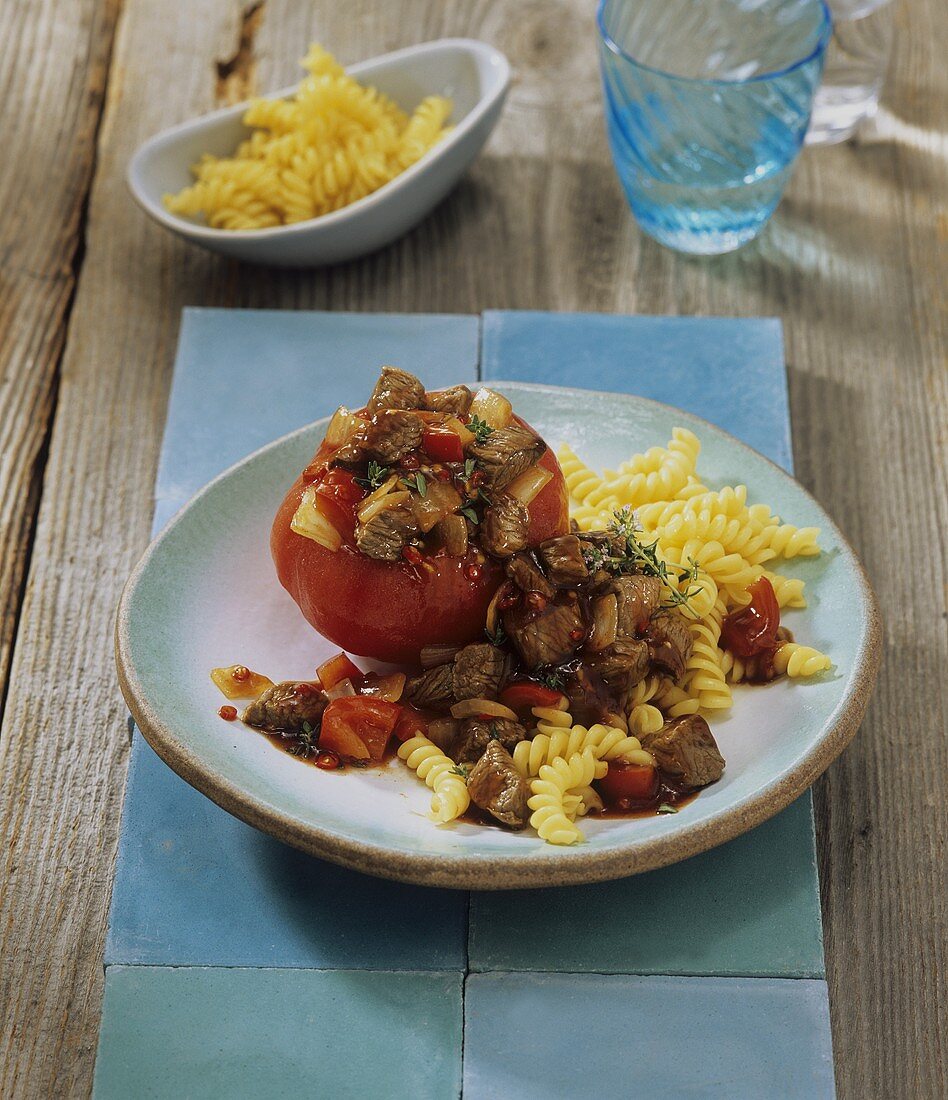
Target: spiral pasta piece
{"points": [[645, 718], [549, 789], [800, 660], [449, 798]]}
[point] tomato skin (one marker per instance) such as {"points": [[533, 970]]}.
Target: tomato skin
{"points": [[753, 629], [526, 694], [337, 496], [410, 724], [389, 610], [358, 726], [635, 782], [442, 444]]}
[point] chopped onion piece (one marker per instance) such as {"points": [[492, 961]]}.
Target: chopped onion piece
{"points": [[442, 731], [492, 408], [460, 430], [453, 533], [471, 708], [309, 522], [378, 494], [529, 484], [433, 655], [390, 500], [341, 690], [605, 623], [440, 500], [341, 427], [493, 608], [389, 687]]}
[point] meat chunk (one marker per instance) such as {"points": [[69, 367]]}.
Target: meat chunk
{"points": [[526, 575], [505, 454], [669, 643], [396, 389], [497, 787], [476, 734], [686, 751], [387, 533], [387, 437], [456, 401], [285, 707], [621, 665], [563, 559], [504, 527], [638, 598], [479, 672], [434, 688], [548, 636]]}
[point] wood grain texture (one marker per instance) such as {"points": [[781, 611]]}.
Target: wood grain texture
{"points": [[853, 265]]}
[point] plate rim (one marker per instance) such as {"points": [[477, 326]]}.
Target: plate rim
{"points": [[556, 867]]}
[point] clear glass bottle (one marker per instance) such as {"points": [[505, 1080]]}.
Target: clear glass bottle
{"points": [[856, 62]]}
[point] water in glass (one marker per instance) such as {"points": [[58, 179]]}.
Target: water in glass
{"points": [[856, 61]]}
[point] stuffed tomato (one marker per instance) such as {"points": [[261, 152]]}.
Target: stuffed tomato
{"points": [[396, 535]]}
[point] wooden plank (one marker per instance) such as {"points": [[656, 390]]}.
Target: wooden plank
{"points": [[851, 265], [53, 63]]}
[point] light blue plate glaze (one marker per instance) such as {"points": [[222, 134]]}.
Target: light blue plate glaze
{"points": [[205, 594]]}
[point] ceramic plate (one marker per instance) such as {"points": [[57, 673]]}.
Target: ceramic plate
{"points": [[205, 595]]}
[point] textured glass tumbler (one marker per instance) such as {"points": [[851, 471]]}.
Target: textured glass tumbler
{"points": [[707, 103]]}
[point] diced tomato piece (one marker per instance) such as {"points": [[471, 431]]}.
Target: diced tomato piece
{"points": [[337, 496], [525, 694], [635, 782], [358, 726], [753, 629], [410, 724], [337, 669], [442, 444]]}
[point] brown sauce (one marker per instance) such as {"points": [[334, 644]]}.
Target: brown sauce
{"points": [[292, 746], [667, 796]]}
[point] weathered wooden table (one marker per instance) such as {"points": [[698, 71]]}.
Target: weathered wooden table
{"points": [[90, 299]]}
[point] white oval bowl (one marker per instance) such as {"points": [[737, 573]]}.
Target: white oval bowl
{"points": [[474, 75]]}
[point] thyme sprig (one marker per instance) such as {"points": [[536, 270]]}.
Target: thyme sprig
{"points": [[417, 483], [496, 637], [552, 678], [480, 428], [306, 740], [375, 476]]}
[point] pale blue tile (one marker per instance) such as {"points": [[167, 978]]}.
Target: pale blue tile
{"points": [[245, 377], [563, 1036], [183, 1033], [749, 907], [197, 887], [728, 370]]}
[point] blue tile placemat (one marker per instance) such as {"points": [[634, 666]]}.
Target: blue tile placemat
{"points": [[209, 916]]}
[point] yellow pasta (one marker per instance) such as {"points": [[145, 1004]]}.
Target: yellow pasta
{"points": [[551, 787], [450, 798], [331, 144], [800, 660]]}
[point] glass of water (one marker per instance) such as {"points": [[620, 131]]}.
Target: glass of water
{"points": [[707, 103]]}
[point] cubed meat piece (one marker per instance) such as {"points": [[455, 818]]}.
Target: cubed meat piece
{"points": [[548, 636], [386, 438], [456, 401], [504, 527], [527, 576], [497, 787], [432, 689], [476, 734], [285, 707], [669, 643], [396, 389], [505, 454], [621, 665], [480, 671], [387, 533], [563, 559], [686, 751], [638, 599]]}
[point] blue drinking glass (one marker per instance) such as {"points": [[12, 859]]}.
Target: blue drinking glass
{"points": [[707, 103]]}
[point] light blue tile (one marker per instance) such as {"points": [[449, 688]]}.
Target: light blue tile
{"points": [[728, 370], [562, 1036], [246, 377], [182, 1033], [196, 887], [748, 907]]}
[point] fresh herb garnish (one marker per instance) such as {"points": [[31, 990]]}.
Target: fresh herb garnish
{"points": [[305, 742], [416, 482], [666, 808], [469, 465], [375, 476], [481, 495], [469, 512], [553, 679], [480, 428], [496, 637], [462, 770], [492, 734]]}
